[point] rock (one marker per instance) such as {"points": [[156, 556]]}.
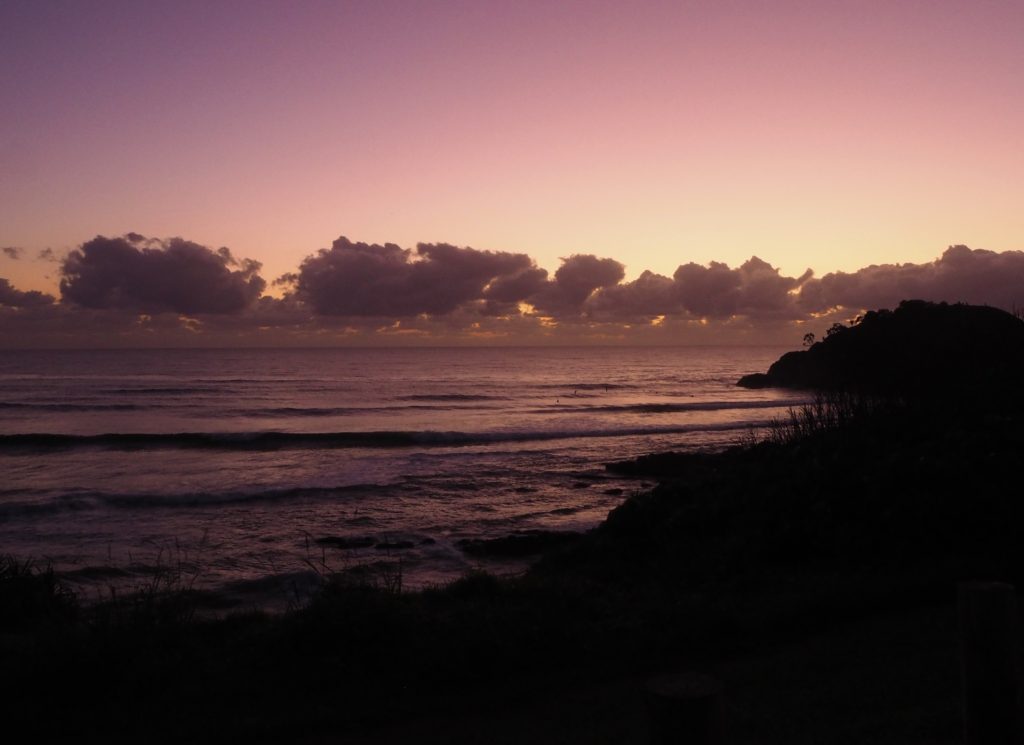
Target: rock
{"points": [[521, 543], [755, 380], [346, 542]]}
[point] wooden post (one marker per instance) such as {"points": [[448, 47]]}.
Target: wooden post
{"points": [[988, 649], [685, 708]]}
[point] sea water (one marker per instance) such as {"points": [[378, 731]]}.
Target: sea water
{"points": [[238, 464]]}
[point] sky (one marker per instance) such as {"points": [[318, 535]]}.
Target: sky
{"points": [[831, 136]]}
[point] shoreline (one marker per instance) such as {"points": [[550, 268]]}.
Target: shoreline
{"points": [[813, 569], [383, 644]]}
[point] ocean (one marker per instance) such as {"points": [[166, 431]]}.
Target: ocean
{"points": [[253, 472]]}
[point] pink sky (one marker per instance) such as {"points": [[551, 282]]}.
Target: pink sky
{"points": [[812, 134], [659, 136]]}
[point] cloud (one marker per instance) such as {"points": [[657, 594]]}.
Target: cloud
{"points": [[959, 275], [708, 291], [503, 295], [47, 254], [386, 281], [360, 279], [576, 280], [11, 252], [716, 291], [581, 274], [13, 298], [267, 322], [755, 287], [648, 296], [137, 291], [512, 288], [155, 276]]}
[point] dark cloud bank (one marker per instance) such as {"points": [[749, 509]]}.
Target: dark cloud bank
{"points": [[135, 291], [174, 276], [12, 298]]}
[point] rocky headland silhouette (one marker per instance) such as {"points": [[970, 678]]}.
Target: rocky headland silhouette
{"points": [[918, 350]]}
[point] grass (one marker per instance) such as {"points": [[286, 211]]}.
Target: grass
{"points": [[33, 596], [829, 411]]}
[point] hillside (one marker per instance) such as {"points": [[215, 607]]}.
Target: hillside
{"points": [[916, 351]]}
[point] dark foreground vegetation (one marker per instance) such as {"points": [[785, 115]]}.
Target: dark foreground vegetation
{"points": [[812, 569]]}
